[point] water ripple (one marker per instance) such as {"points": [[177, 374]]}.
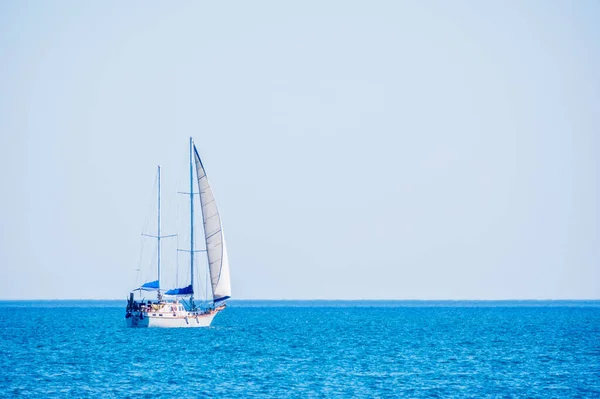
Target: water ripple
{"points": [[313, 352]]}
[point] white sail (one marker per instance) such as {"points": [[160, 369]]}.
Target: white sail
{"points": [[213, 233]]}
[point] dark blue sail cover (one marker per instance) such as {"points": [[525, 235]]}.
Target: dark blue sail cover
{"points": [[181, 291], [151, 286], [223, 298]]}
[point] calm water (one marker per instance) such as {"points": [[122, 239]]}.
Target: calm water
{"points": [[306, 349]]}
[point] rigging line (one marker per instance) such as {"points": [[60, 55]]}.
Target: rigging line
{"points": [[177, 222], [150, 212], [208, 279], [177, 265], [139, 263], [198, 281], [150, 206]]}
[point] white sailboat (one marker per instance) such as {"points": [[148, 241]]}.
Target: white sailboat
{"points": [[176, 307]]}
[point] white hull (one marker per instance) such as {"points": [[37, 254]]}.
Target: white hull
{"points": [[145, 320], [168, 315]]}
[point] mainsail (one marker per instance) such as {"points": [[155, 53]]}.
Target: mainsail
{"points": [[213, 234]]}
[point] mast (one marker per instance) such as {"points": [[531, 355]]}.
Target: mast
{"points": [[158, 235], [191, 226]]}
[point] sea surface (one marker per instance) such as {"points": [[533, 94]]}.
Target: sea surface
{"points": [[306, 349]]}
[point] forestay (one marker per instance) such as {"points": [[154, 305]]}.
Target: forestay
{"points": [[213, 233]]}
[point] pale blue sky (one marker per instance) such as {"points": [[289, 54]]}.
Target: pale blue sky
{"points": [[357, 149]]}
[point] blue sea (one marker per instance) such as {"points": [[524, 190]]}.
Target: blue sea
{"points": [[306, 349]]}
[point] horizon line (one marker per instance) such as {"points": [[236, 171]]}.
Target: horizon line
{"points": [[324, 299]]}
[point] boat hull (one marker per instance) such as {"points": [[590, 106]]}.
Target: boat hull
{"points": [[140, 320]]}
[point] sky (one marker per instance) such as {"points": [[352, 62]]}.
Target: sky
{"points": [[357, 150]]}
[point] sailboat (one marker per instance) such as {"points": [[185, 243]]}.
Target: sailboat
{"points": [[177, 307]]}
